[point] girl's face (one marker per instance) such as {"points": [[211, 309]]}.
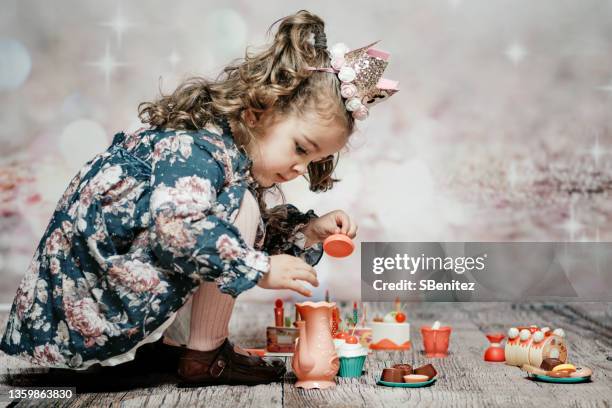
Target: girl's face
{"points": [[288, 144]]}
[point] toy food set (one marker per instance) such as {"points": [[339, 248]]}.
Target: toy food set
{"points": [[427, 370], [542, 353], [364, 334], [532, 345], [360, 329], [393, 375], [436, 339], [495, 353], [402, 375], [351, 348], [391, 332], [352, 357], [280, 338], [553, 370], [405, 369], [315, 361]]}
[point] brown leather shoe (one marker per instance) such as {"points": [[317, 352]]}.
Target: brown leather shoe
{"points": [[225, 365]]}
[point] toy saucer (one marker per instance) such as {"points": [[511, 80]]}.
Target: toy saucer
{"points": [[562, 380], [338, 245], [406, 385]]}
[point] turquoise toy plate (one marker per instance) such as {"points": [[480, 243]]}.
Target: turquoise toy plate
{"points": [[406, 385], [565, 380]]}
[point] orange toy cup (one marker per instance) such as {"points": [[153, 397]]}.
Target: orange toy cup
{"points": [[435, 341], [338, 245]]}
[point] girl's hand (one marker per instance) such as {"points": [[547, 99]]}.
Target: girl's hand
{"points": [[285, 273], [335, 222]]}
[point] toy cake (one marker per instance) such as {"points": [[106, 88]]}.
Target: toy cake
{"points": [[352, 356], [532, 345], [391, 333]]}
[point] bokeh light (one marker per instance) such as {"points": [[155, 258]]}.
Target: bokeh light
{"points": [[15, 64]]}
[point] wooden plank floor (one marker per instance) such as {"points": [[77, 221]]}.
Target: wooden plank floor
{"points": [[464, 380]]}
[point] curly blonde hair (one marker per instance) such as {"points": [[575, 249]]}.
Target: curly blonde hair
{"points": [[275, 79]]}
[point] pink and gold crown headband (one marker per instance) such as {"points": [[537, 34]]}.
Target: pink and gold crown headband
{"points": [[361, 73]]}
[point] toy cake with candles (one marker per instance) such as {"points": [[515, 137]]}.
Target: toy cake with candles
{"points": [[392, 332]]}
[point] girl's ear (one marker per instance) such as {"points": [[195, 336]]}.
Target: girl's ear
{"points": [[250, 117]]}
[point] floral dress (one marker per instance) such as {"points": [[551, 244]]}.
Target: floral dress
{"points": [[136, 232]]}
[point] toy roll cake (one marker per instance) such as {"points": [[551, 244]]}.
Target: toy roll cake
{"points": [[531, 345]]}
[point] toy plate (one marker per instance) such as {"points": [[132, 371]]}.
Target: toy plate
{"points": [[406, 385], [564, 380], [338, 245]]}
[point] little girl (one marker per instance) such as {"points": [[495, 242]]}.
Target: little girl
{"points": [[170, 221]]}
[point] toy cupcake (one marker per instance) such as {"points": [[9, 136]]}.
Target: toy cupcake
{"points": [[352, 357], [340, 339]]}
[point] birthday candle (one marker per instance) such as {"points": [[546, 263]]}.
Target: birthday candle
{"points": [[327, 295], [355, 313], [335, 321]]}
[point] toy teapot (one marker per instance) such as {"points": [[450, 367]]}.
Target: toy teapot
{"points": [[315, 362]]}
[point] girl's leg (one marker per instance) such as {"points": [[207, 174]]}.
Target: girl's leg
{"points": [[211, 310], [209, 357]]}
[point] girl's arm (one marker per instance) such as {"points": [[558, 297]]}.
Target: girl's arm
{"points": [[284, 233], [187, 237]]}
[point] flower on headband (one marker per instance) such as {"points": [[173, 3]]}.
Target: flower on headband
{"points": [[347, 74], [358, 110], [338, 50], [337, 62], [361, 113], [348, 90], [353, 104]]}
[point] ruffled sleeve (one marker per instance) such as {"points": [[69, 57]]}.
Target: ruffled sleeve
{"points": [[189, 233], [283, 236]]}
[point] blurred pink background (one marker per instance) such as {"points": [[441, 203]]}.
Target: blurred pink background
{"points": [[501, 131]]}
